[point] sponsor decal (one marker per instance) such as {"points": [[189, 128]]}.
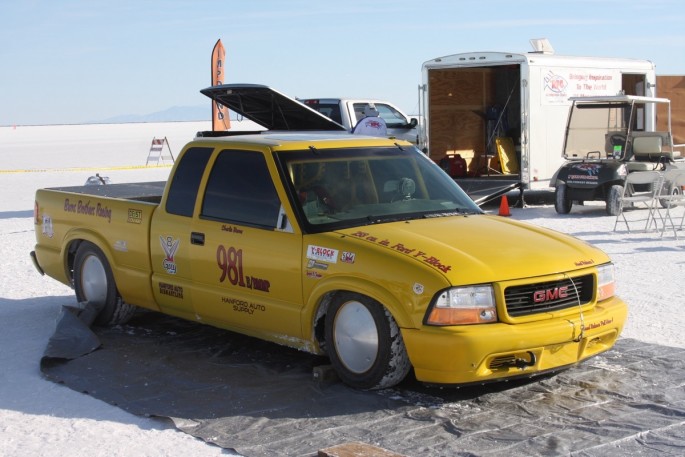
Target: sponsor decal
{"points": [[588, 168], [433, 261], [121, 245], [170, 246], [314, 275], [47, 229], [323, 254], [581, 263], [575, 178], [347, 257], [555, 83], [231, 229], [88, 209], [242, 306], [170, 290], [599, 324], [584, 173], [135, 216], [317, 265], [560, 84], [418, 288], [230, 262]]}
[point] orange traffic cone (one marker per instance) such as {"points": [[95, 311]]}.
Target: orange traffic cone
{"points": [[504, 207]]}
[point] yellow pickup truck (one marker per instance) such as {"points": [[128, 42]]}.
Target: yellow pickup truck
{"points": [[358, 248]]}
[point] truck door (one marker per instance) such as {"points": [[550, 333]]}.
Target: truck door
{"points": [[170, 235], [246, 268]]}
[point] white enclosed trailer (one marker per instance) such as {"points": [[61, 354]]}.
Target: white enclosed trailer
{"points": [[504, 114]]}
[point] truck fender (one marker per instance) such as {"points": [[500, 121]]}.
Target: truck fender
{"points": [[314, 312], [73, 239], [555, 176]]}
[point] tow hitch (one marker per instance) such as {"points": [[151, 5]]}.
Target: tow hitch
{"points": [[522, 363], [511, 361]]}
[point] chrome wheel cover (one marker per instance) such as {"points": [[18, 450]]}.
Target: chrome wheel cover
{"points": [[94, 280], [356, 337]]}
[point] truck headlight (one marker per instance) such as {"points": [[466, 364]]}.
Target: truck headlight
{"points": [[606, 281], [463, 305]]}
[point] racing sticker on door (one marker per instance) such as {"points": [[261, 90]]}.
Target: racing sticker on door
{"points": [[170, 246], [230, 262]]}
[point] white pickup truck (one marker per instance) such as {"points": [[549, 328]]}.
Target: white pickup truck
{"points": [[347, 112]]}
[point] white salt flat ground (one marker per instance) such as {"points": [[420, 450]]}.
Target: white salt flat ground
{"points": [[40, 418]]}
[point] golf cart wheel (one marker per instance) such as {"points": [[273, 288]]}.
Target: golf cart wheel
{"points": [[674, 191], [561, 201], [364, 343], [94, 282], [614, 199]]}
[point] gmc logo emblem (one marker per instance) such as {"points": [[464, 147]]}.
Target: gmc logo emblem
{"points": [[540, 296]]}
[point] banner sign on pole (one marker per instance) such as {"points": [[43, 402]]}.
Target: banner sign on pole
{"points": [[220, 119]]}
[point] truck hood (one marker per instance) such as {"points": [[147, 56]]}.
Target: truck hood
{"points": [[269, 108], [479, 249]]}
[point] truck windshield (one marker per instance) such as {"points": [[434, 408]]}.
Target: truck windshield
{"points": [[338, 188]]}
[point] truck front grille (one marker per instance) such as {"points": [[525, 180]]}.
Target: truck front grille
{"points": [[548, 296]]}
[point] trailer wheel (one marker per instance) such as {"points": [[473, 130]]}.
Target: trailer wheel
{"points": [[614, 199], [94, 282], [364, 343], [561, 201]]}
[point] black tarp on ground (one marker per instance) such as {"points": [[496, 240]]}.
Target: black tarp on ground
{"points": [[261, 399]]}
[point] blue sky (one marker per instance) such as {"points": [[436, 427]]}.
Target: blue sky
{"points": [[77, 61]]}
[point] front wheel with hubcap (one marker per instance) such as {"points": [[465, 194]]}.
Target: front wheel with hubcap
{"points": [[364, 343], [94, 283]]}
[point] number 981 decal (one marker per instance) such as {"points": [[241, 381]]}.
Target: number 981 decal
{"points": [[230, 262]]}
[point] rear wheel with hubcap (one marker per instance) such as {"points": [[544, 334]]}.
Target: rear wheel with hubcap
{"points": [[94, 283]]}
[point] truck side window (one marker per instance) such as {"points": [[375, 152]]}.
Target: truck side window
{"points": [[240, 190], [392, 117], [186, 181]]}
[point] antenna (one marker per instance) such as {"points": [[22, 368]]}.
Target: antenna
{"points": [[541, 46]]}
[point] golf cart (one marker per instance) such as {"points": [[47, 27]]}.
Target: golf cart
{"points": [[606, 138]]}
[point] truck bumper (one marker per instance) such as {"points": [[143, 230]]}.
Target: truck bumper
{"points": [[480, 353], [35, 263]]}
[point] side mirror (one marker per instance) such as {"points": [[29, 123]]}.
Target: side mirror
{"points": [[413, 122]]}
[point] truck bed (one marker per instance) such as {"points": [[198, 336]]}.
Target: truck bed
{"points": [[139, 191]]}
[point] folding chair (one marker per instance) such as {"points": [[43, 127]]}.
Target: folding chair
{"points": [[640, 188], [672, 197]]}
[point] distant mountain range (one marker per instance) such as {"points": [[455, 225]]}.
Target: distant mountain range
{"points": [[175, 113]]}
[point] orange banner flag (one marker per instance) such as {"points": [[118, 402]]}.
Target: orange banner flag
{"points": [[220, 119]]}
